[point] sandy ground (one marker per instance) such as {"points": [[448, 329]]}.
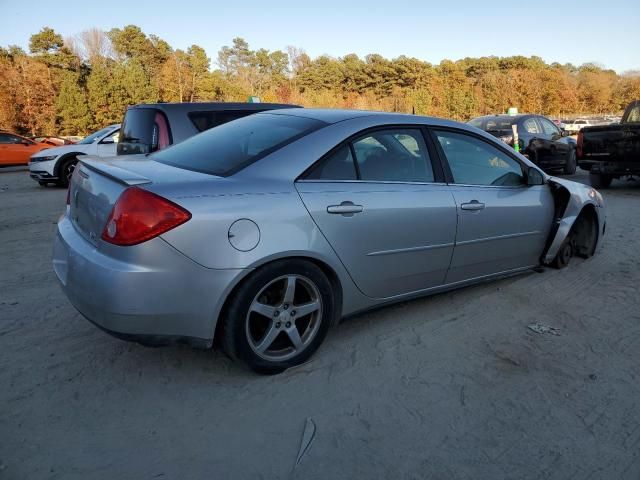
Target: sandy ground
{"points": [[449, 387]]}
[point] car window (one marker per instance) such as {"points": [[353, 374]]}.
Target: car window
{"points": [[231, 147], [337, 166], [206, 120], [531, 126], [548, 127], [398, 155], [8, 138], [634, 114], [94, 136], [476, 162], [114, 137]]}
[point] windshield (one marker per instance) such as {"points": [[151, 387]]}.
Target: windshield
{"points": [[228, 148], [95, 136]]}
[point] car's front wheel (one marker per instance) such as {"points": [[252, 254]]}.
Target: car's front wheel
{"points": [[279, 316], [66, 171]]}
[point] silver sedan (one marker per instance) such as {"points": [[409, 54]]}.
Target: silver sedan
{"points": [[265, 231]]}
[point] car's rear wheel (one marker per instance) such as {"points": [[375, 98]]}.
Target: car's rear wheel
{"points": [[600, 180], [66, 170], [571, 165], [279, 316]]}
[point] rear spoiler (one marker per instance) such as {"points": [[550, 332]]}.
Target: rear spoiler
{"points": [[104, 167]]}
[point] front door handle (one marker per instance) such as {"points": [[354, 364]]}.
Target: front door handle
{"points": [[345, 208], [473, 205]]}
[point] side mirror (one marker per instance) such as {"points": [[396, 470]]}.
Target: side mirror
{"points": [[534, 177], [25, 143], [107, 141], [565, 133]]}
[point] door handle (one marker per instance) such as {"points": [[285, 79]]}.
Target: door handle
{"points": [[345, 208], [473, 205]]}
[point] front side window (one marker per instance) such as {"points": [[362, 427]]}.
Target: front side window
{"points": [[232, 146], [476, 162], [7, 138], [548, 127], [531, 126]]}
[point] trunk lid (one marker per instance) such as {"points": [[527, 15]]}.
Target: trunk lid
{"points": [[97, 184]]}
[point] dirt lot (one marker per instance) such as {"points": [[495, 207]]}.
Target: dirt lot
{"points": [[449, 387]]}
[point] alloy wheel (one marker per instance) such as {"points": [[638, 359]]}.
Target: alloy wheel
{"points": [[284, 317]]}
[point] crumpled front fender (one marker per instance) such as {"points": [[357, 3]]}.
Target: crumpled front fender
{"points": [[571, 198]]}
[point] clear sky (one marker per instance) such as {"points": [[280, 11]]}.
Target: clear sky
{"points": [[602, 31]]}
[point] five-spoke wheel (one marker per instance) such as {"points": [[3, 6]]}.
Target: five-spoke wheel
{"points": [[279, 315]]}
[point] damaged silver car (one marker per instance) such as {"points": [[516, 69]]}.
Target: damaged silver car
{"points": [[267, 230]]}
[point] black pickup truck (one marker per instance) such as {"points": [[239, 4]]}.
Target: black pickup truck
{"points": [[611, 151]]}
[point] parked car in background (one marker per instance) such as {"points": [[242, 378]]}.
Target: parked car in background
{"points": [[53, 140], [267, 230], [16, 149], [540, 139], [611, 151], [574, 126], [56, 164], [150, 127]]}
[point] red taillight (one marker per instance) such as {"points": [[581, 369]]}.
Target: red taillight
{"points": [[139, 215], [579, 144]]}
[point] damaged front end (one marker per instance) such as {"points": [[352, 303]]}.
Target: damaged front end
{"points": [[579, 222]]}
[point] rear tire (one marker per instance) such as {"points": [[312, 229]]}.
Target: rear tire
{"points": [[66, 170], [600, 180], [278, 316], [571, 165]]}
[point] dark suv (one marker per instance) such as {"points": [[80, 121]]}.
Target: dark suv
{"points": [[539, 139], [154, 126]]}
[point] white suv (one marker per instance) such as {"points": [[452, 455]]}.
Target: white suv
{"points": [[55, 165]]}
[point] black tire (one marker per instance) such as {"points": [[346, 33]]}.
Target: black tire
{"points": [[563, 257], [237, 335], [65, 171], [599, 180], [571, 165]]}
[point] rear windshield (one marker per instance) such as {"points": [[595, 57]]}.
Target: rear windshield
{"points": [[499, 124], [229, 148], [144, 130], [206, 120]]}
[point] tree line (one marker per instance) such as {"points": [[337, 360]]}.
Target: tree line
{"points": [[74, 85]]}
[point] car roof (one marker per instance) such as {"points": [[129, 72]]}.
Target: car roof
{"points": [[187, 107], [504, 116], [329, 115]]}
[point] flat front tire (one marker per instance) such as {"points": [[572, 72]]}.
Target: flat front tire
{"points": [[278, 316]]}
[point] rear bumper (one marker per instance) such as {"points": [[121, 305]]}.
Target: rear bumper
{"points": [[151, 293]]}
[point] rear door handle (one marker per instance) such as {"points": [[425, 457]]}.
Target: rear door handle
{"points": [[472, 205], [345, 208]]}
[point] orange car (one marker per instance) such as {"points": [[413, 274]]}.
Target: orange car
{"points": [[16, 150]]}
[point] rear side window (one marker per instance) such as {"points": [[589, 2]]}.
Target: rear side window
{"points": [[390, 155], [226, 149], [206, 120], [476, 162], [144, 130], [634, 114], [337, 166]]}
